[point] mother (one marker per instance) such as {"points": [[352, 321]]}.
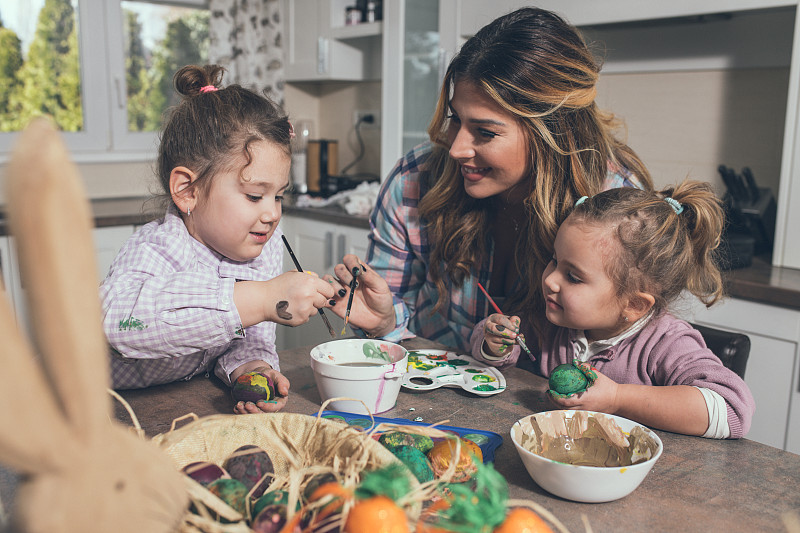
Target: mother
{"points": [[516, 139]]}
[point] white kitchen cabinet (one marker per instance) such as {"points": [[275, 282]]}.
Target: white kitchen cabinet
{"points": [[319, 46], [772, 369], [318, 246], [107, 241]]}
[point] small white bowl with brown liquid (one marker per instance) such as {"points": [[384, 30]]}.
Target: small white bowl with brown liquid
{"points": [[586, 456], [361, 370]]}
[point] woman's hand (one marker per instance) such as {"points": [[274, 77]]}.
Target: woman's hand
{"points": [[600, 397], [373, 305], [500, 334], [263, 406]]}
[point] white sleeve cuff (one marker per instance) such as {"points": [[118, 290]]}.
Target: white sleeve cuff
{"points": [[717, 415]]}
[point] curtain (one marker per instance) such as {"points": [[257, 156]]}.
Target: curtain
{"points": [[245, 37]]}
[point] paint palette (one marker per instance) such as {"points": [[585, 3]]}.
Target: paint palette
{"points": [[487, 441], [431, 369]]}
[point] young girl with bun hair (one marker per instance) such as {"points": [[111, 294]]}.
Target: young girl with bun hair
{"points": [[620, 259], [201, 289]]}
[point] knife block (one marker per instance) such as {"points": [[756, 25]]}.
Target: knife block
{"points": [[755, 218]]}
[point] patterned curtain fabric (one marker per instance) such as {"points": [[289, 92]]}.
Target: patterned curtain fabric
{"points": [[245, 37]]}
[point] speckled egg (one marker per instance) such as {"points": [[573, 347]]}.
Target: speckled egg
{"points": [[416, 461], [250, 465], [568, 379], [231, 491], [253, 387], [394, 439]]}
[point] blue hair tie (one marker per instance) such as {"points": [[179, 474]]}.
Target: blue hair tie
{"points": [[674, 204], [581, 200]]}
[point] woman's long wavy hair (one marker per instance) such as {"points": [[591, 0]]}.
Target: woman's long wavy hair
{"points": [[538, 68]]}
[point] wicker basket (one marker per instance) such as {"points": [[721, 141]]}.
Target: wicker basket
{"points": [[299, 446]]}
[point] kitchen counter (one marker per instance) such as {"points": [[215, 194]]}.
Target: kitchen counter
{"points": [[697, 484], [761, 282]]}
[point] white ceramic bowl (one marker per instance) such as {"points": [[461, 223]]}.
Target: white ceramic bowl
{"points": [[368, 370], [589, 484]]}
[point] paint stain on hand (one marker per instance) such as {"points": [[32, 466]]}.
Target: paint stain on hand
{"points": [[282, 309]]}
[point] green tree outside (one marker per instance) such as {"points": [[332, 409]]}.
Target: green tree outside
{"points": [[10, 63], [49, 80], [185, 42]]}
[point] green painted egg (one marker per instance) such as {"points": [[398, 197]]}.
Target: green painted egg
{"points": [[568, 379], [231, 491], [416, 461], [395, 439]]}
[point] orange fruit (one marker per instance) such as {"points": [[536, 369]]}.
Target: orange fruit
{"points": [[523, 520], [442, 455], [377, 514]]}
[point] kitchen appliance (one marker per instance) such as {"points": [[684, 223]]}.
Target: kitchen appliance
{"points": [[750, 212], [323, 162]]}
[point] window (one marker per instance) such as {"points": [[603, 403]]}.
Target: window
{"points": [[103, 69]]}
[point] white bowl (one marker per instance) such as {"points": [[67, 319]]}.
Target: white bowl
{"points": [[589, 484], [368, 370]]}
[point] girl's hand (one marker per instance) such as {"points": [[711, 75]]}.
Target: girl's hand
{"points": [[373, 305], [600, 397], [295, 297], [269, 406], [500, 334]]}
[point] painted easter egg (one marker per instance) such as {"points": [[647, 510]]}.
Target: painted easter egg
{"points": [[568, 379], [394, 439], [251, 465], [231, 491], [253, 387], [204, 472], [273, 497], [270, 519], [315, 482], [416, 461], [443, 453]]}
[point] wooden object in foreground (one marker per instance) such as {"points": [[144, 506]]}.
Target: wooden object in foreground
{"points": [[83, 472]]}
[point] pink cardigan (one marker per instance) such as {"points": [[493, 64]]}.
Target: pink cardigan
{"points": [[667, 351]]}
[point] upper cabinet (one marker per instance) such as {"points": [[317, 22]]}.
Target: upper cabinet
{"points": [[321, 47]]}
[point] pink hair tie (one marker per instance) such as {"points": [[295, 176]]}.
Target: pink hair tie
{"points": [[208, 89]]}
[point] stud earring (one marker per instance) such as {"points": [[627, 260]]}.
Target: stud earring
{"points": [[625, 318]]}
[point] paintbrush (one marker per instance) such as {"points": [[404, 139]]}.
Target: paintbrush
{"points": [[353, 285], [300, 269], [520, 337]]}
